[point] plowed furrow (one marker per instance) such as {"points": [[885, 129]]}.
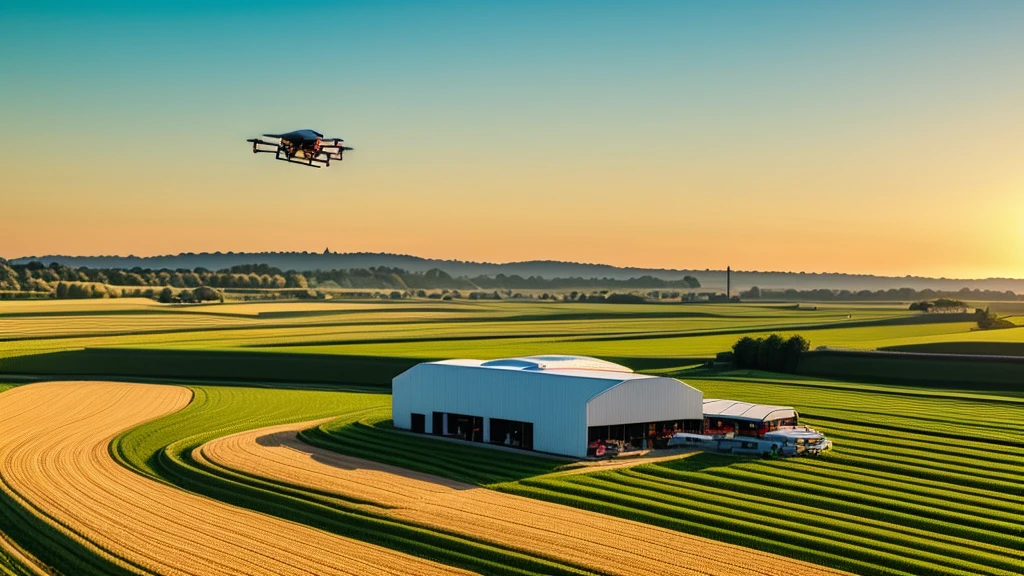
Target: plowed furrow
{"points": [[55, 458]]}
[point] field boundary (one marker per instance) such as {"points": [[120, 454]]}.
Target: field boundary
{"points": [[908, 368]]}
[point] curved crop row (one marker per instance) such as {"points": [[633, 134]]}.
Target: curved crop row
{"points": [[164, 450], [66, 475], [602, 544], [885, 507]]}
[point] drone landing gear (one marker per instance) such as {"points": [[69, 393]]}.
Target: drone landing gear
{"points": [[310, 162]]}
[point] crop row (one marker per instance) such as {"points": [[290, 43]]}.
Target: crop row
{"points": [[801, 530], [879, 399], [986, 451], [882, 502], [163, 449], [45, 540], [371, 438]]}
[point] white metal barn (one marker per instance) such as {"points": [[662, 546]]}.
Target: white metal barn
{"points": [[555, 404]]}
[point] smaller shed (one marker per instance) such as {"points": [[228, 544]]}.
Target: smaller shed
{"points": [[745, 419]]}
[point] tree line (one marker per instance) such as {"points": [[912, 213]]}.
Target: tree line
{"points": [[940, 305], [897, 294], [83, 282], [36, 277]]}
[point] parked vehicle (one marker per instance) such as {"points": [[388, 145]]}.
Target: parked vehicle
{"points": [[784, 441], [687, 439], [795, 440]]}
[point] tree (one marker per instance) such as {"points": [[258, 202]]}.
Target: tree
{"points": [[754, 292], [166, 295], [745, 352], [988, 320], [79, 291], [62, 290], [795, 346], [296, 280], [206, 294], [770, 355]]}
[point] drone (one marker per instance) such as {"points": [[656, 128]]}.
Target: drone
{"points": [[304, 147]]}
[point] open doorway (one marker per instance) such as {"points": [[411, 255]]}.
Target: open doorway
{"points": [[512, 433], [419, 423], [466, 427]]}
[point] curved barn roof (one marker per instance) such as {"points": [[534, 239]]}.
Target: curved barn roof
{"points": [[579, 367], [556, 362], [716, 408]]}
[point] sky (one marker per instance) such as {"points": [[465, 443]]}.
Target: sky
{"points": [[869, 137]]}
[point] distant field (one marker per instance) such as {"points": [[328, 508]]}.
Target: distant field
{"points": [[430, 329], [969, 347], [1001, 307]]}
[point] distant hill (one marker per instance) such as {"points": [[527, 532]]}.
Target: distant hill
{"points": [[709, 279]]}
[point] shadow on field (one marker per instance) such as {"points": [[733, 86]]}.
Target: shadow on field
{"points": [[338, 461], [234, 366], [210, 365]]}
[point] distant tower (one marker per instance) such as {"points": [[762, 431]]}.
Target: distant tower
{"points": [[728, 283], [327, 251]]}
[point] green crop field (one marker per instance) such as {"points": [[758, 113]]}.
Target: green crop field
{"points": [[924, 478], [462, 328], [919, 482]]}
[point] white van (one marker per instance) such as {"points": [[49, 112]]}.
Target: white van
{"points": [[794, 440]]}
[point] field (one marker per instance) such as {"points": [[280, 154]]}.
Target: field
{"points": [[925, 477], [460, 328], [67, 475], [957, 509], [592, 541], [164, 450]]}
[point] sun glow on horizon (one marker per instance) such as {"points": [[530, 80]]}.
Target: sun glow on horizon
{"points": [[661, 135]]}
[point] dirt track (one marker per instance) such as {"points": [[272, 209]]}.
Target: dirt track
{"points": [[54, 459], [603, 543]]}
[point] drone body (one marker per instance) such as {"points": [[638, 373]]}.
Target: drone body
{"points": [[305, 147]]}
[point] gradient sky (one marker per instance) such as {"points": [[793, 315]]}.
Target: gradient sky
{"points": [[868, 137]]}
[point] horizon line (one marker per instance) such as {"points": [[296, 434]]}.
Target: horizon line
{"points": [[514, 262]]}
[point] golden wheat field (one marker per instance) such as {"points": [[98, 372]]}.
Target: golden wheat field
{"points": [[601, 543], [54, 460]]}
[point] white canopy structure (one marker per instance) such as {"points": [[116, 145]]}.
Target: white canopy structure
{"points": [[735, 410]]}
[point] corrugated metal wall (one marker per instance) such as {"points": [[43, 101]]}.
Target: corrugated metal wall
{"points": [[646, 400], [556, 404]]}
